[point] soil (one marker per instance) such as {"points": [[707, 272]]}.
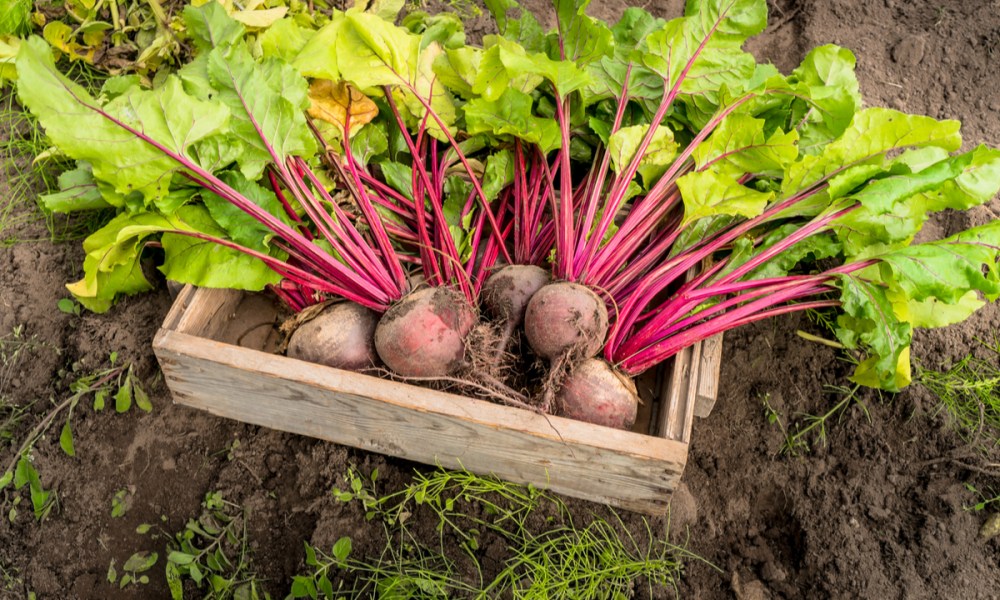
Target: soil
{"points": [[878, 510]]}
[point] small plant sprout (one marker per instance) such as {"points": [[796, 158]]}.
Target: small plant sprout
{"points": [[117, 381]]}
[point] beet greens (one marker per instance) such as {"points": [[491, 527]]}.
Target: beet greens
{"points": [[653, 162]]}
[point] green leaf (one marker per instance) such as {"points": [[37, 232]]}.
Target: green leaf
{"points": [[66, 439], [506, 65], [238, 225], [371, 141], [318, 58], [523, 29], [385, 55], [210, 26], [207, 264], [141, 398], [444, 28], [826, 77], [15, 17], [180, 558], [384, 9], [174, 583], [499, 173], [511, 115], [457, 69], [285, 40], [869, 321], [342, 549], [718, 192], [931, 313], [895, 208], [814, 248], [74, 123], [700, 53], [267, 101], [580, 38], [660, 153], [140, 562], [740, 141], [68, 306], [77, 191], [303, 587], [399, 177], [847, 161], [123, 399], [948, 269]]}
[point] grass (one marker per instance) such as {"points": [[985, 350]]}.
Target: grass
{"points": [[213, 551], [803, 431], [117, 384], [969, 394], [14, 349], [597, 560], [25, 177]]}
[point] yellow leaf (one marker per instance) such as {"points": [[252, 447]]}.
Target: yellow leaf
{"points": [[9, 46], [57, 34], [260, 19], [333, 102]]}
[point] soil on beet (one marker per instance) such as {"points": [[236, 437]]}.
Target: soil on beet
{"points": [[876, 512]]}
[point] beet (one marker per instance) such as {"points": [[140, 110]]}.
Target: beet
{"points": [[564, 318], [597, 393], [423, 335], [342, 336], [506, 293]]}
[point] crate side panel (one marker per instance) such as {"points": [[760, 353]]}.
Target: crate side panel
{"points": [[218, 384]]}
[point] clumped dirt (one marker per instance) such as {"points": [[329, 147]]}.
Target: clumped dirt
{"points": [[878, 511]]}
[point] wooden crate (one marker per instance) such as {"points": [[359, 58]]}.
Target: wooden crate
{"points": [[211, 348]]}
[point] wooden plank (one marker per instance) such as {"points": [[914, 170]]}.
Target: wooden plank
{"points": [[208, 311], [678, 393], [620, 468], [179, 307], [708, 376]]}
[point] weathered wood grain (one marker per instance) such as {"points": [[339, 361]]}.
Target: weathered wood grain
{"points": [[208, 311], [708, 376], [620, 468], [678, 393]]}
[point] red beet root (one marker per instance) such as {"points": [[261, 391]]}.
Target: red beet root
{"points": [[423, 335], [342, 336], [565, 318], [507, 292], [596, 393]]}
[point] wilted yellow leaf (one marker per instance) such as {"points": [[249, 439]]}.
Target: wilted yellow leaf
{"points": [[59, 36], [260, 19], [334, 101]]}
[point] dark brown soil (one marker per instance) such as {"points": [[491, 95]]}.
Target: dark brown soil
{"points": [[872, 513]]}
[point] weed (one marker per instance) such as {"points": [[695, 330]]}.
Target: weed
{"points": [[986, 497], [213, 551], [969, 393], [599, 560], [134, 569], [120, 503], [68, 306], [117, 381], [809, 430]]}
